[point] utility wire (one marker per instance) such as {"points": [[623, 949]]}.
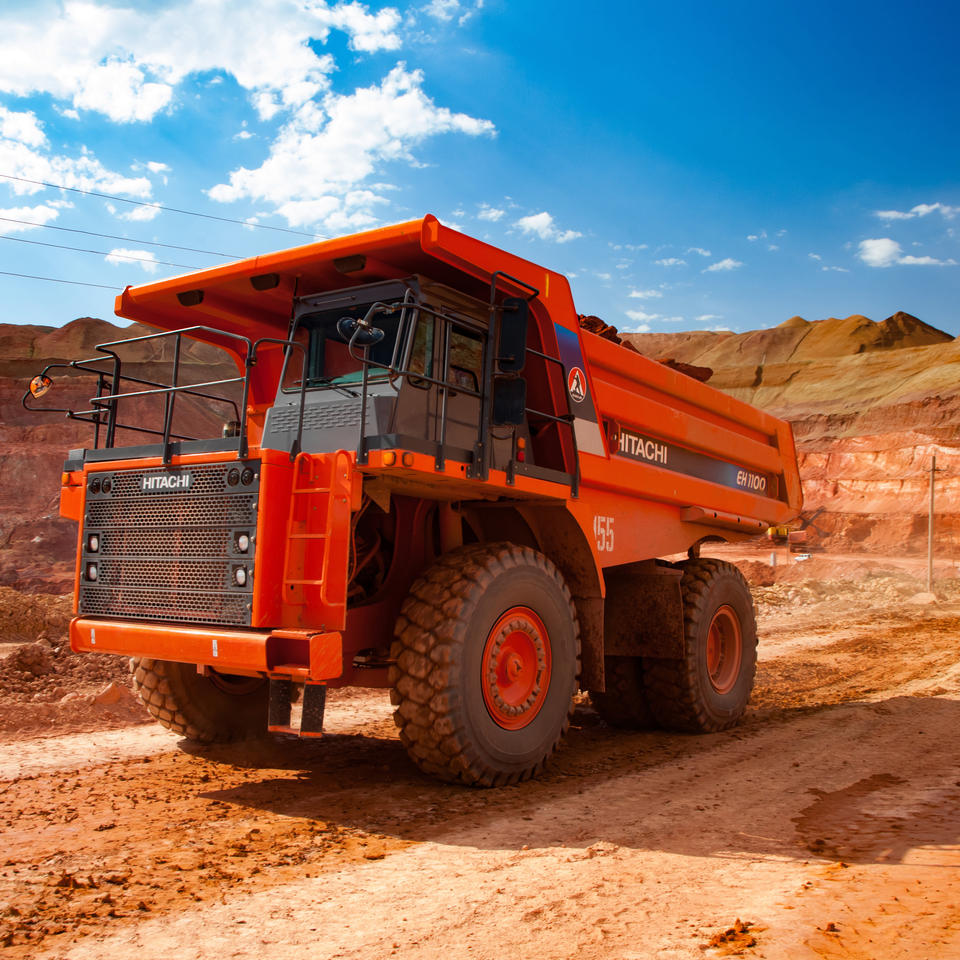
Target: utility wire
{"points": [[105, 253], [160, 206], [76, 283], [112, 236]]}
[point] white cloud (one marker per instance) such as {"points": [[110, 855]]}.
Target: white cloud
{"points": [[773, 246], [700, 251], [632, 247], [25, 152], [884, 252], [444, 10], [927, 261], [834, 269], [155, 166], [37, 216], [753, 237], [126, 63], [645, 294], [641, 316], [672, 262], [721, 266], [603, 276], [493, 214], [542, 225], [22, 127], [636, 328], [707, 317], [920, 210], [143, 258], [324, 153], [139, 214], [814, 256]]}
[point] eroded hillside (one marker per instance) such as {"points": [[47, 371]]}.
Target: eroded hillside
{"points": [[870, 403]]}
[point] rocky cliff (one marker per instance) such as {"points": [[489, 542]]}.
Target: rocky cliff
{"points": [[36, 545], [870, 404]]}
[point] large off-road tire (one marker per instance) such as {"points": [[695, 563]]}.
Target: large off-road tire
{"points": [[487, 653], [624, 702], [707, 690], [208, 709]]}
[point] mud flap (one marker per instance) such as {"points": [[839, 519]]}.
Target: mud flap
{"points": [[280, 710], [643, 611]]}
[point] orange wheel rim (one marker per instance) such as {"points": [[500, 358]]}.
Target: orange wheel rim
{"points": [[724, 649], [515, 668]]}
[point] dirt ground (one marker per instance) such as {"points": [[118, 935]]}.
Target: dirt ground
{"points": [[827, 825]]}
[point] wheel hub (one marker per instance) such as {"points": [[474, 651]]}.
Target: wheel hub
{"points": [[516, 668], [724, 649]]}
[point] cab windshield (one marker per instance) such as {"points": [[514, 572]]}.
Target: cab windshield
{"points": [[329, 361]]}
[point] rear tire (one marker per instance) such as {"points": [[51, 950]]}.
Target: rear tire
{"points": [[709, 688], [624, 702], [487, 655], [207, 709]]}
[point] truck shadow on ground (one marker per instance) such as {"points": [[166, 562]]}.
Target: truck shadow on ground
{"points": [[808, 786]]}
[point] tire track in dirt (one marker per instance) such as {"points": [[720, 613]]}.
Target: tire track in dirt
{"points": [[632, 845]]}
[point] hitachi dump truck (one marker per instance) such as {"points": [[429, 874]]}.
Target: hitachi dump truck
{"points": [[427, 477]]}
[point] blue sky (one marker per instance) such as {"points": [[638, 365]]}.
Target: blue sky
{"points": [[689, 165]]}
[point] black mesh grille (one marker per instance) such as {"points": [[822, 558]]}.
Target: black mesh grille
{"points": [[170, 548]]}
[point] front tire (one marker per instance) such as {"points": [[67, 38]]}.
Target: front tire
{"points": [[709, 688], [487, 655], [220, 708]]}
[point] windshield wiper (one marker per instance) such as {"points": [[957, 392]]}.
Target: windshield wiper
{"points": [[328, 382]]}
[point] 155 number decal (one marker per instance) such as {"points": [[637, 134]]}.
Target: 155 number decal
{"points": [[603, 531]]}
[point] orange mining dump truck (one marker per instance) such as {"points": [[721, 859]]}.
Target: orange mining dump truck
{"points": [[425, 476]]}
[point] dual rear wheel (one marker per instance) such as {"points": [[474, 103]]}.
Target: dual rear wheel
{"points": [[709, 687]]}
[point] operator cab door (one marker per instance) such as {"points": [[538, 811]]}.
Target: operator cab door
{"points": [[444, 350]]}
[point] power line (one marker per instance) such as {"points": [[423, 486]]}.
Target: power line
{"points": [[104, 253], [76, 283], [113, 236], [160, 206]]}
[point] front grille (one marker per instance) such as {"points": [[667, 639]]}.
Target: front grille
{"points": [[169, 544]]}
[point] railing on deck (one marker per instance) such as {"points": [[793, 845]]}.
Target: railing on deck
{"points": [[105, 403]]}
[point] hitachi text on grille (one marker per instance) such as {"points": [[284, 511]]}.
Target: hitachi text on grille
{"points": [[166, 482]]}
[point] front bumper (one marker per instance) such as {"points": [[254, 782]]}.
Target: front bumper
{"points": [[299, 654]]}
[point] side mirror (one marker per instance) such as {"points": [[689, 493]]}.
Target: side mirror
{"points": [[39, 385], [512, 348], [509, 401], [359, 332]]}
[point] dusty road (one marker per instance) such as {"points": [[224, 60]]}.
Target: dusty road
{"points": [[828, 825]]}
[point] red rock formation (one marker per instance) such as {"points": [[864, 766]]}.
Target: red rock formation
{"points": [[869, 402], [36, 545]]}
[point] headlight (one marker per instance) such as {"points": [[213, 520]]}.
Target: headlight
{"points": [[91, 571], [240, 576], [93, 542], [243, 543]]}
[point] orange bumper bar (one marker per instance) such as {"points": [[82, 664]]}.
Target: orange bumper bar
{"points": [[299, 654]]}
